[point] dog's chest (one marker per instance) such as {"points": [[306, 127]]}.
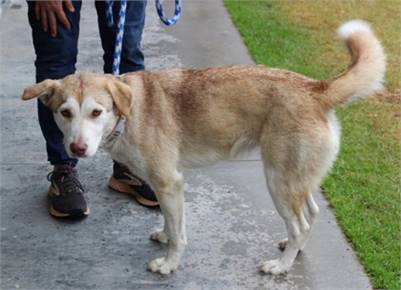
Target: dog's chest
{"points": [[130, 156]]}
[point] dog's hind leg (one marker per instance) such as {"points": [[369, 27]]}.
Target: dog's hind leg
{"points": [[169, 191], [311, 208], [290, 176], [310, 211], [289, 206]]}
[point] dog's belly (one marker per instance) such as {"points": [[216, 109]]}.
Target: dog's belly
{"points": [[201, 159], [199, 156]]}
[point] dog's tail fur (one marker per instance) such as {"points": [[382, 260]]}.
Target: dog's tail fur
{"points": [[366, 73]]}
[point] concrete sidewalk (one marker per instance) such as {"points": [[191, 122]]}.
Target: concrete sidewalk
{"points": [[232, 225]]}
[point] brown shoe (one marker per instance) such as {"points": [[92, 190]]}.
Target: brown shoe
{"points": [[124, 181]]}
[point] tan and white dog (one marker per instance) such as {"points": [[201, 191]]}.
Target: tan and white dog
{"points": [[185, 118]]}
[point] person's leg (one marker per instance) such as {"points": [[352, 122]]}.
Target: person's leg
{"points": [[55, 59], [132, 58]]}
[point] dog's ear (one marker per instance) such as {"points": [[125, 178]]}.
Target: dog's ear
{"points": [[43, 90], [122, 96]]}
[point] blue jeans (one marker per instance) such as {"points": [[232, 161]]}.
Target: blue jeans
{"points": [[56, 58]]}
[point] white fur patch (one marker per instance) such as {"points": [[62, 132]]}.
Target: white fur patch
{"points": [[82, 127], [352, 26]]}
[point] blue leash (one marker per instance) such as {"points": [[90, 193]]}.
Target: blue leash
{"points": [[121, 22], [120, 32], [163, 18]]}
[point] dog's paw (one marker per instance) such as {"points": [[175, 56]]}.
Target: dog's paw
{"points": [[283, 244], [159, 236], [275, 267], [162, 266]]}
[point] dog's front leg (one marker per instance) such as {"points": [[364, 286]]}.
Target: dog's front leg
{"points": [[171, 198]]}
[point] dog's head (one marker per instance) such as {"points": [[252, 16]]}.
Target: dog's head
{"points": [[85, 106]]}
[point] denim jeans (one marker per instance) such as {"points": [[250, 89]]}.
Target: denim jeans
{"points": [[56, 58]]}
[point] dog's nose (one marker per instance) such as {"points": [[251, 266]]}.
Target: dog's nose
{"points": [[78, 149]]}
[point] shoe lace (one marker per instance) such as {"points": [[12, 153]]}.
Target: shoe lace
{"points": [[66, 178]]}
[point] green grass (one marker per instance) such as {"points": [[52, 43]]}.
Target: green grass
{"points": [[364, 185], [271, 40], [364, 190]]}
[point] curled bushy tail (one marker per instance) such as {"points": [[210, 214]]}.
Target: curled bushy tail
{"points": [[366, 73]]}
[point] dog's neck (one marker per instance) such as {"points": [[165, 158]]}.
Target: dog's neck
{"points": [[115, 133]]}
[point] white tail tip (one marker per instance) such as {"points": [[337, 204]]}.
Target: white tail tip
{"points": [[352, 26]]}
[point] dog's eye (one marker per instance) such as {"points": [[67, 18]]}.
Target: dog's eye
{"points": [[96, 113], [66, 113]]}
